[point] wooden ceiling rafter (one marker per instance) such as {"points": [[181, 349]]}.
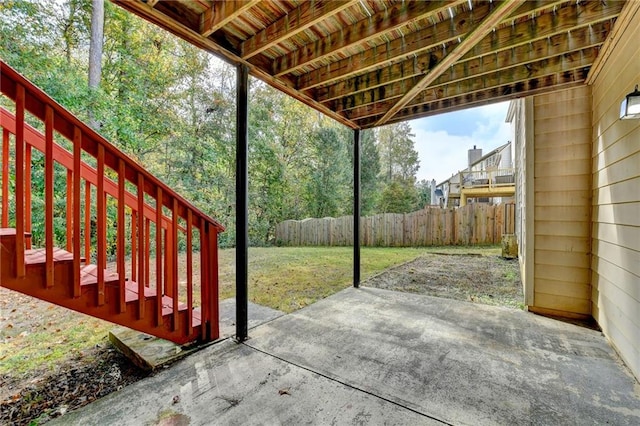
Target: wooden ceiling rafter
{"points": [[440, 34], [303, 17], [565, 62], [523, 55], [399, 15], [501, 11], [221, 13], [544, 84], [570, 17]]}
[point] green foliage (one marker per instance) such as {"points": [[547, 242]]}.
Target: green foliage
{"points": [[398, 196]]}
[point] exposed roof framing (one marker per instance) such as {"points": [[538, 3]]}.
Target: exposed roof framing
{"points": [[370, 62]]}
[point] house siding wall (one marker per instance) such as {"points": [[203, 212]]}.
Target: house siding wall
{"points": [[562, 199], [615, 264], [523, 149]]}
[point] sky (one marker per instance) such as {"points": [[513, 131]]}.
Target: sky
{"points": [[442, 141]]}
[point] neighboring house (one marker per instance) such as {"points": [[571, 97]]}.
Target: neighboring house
{"points": [[488, 178]]}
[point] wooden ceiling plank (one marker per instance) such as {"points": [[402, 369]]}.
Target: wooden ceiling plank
{"points": [[547, 25], [221, 13], [152, 3], [300, 19], [413, 43], [538, 50], [629, 13], [566, 62], [194, 37], [399, 15], [548, 83], [501, 11]]}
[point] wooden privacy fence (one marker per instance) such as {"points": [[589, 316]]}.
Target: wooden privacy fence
{"points": [[471, 224]]}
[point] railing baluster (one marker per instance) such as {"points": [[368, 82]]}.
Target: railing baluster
{"points": [[159, 263], [19, 191], [48, 195], [69, 207], [102, 227], [87, 221], [204, 280], [120, 245], [134, 246], [4, 222], [214, 331], [174, 261], [168, 262], [77, 154], [147, 251], [141, 259], [28, 222], [189, 272]]}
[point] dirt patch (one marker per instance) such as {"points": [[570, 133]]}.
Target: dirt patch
{"points": [[490, 280], [33, 332]]}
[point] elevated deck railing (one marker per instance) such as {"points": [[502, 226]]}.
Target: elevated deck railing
{"points": [[149, 216], [493, 178]]}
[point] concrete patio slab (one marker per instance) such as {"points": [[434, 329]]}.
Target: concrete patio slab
{"points": [[368, 356]]}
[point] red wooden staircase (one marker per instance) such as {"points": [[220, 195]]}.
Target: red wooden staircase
{"points": [[116, 254]]}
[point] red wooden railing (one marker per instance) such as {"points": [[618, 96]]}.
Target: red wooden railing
{"points": [[142, 202]]}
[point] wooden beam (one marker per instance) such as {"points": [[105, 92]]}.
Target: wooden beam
{"points": [[305, 16], [566, 62], [507, 37], [545, 84], [195, 38], [498, 14], [221, 13], [370, 28], [526, 56], [630, 13], [151, 3], [547, 45], [430, 37]]}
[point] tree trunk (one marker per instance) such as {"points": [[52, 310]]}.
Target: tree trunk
{"points": [[95, 52]]}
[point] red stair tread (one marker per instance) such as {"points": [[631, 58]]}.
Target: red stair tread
{"points": [[89, 275], [38, 256]]}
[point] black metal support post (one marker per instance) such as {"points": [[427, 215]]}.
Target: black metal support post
{"points": [[242, 202], [356, 208]]}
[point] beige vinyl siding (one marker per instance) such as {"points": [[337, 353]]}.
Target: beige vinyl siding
{"points": [[523, 149], [615, 263], [562, 214]]}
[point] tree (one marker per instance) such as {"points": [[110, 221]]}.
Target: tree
{"points": [[329, 179], [399, 164], [398, 158], [95, 52]]}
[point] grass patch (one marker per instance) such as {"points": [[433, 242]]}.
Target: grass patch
{"points": [[290, 278]]}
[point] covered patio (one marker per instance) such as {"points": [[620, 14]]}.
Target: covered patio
{"points": [[369, 356]]}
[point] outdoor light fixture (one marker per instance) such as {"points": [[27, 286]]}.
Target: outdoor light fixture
{"points": [[630, 106]]}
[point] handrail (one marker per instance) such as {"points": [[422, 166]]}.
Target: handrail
{"points": [[28, 97], [37, 140]]}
